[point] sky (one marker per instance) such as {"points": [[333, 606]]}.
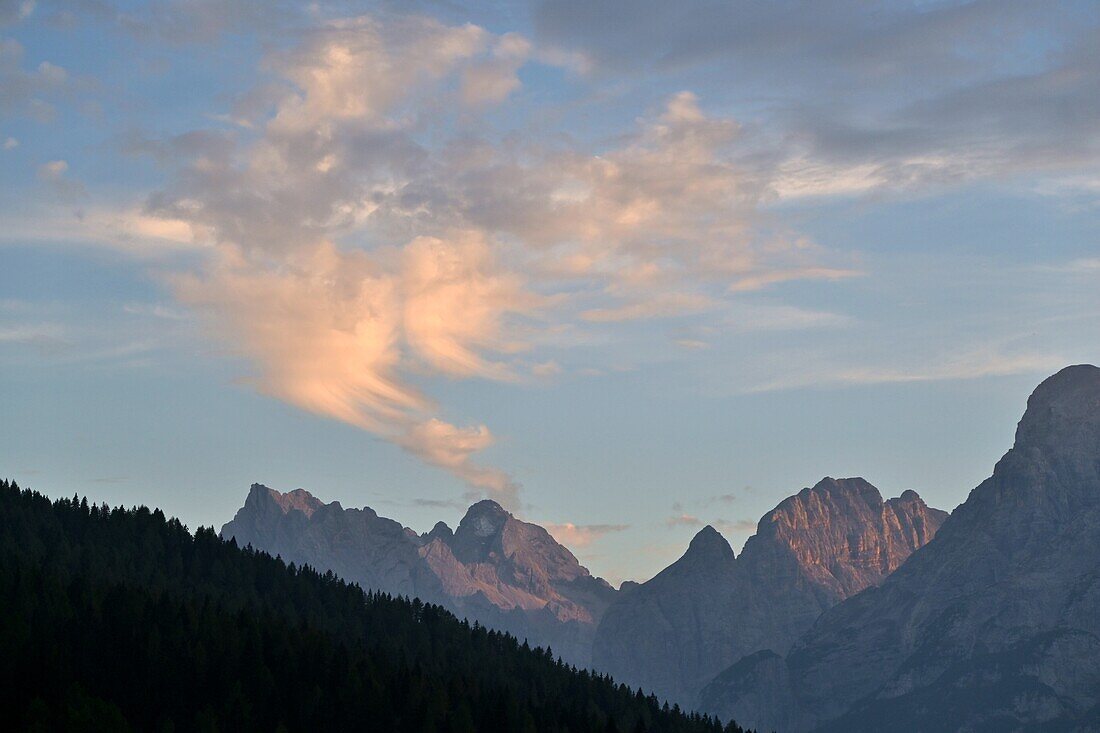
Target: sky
{"points": [[628, 268]]}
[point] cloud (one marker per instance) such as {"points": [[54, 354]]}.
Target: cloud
{"points": [[780, 39], [762, 280], [55, 173], [43, 335], [582, 535], [156, 310], [127, 229], [14, 11], [454, 301], [180, 22], [438, 503], [493, 79], [683, 520], [750, 317], [660, 305], [734, 526], [447, 446], [63, 335], [361, 238], [1080, 266], [52, 170], [359, 69], [23, 91], [660, 224], [546, 369], [861, 97], [991, 360], [10, 143]]}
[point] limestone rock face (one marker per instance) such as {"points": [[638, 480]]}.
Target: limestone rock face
{"points": [[356, 544], [701, 614], [994, 625], [666, 635], [496, 569]]}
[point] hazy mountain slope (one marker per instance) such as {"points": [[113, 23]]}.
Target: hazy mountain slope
{"points": [[356, 544], [675, 632], [994, 625], [496, 569]]}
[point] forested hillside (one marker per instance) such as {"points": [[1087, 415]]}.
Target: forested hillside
{"points": [[121, 619]]}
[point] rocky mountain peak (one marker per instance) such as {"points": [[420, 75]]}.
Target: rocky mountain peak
{"points": [[843, 535], [673, 633], [855, 487], [479, 533], [1063, 413], [708, 545], [440, 531], [908, 496], [485, 518], [296, 500], [1052, 468]]}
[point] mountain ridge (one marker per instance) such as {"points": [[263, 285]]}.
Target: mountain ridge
{"points": [[994, 625], [675, 632], [494, 568]]}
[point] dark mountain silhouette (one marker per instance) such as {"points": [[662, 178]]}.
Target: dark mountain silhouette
{"points": [[993, 626]]}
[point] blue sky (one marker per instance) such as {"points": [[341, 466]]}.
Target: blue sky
{"points": [[627, 270]]}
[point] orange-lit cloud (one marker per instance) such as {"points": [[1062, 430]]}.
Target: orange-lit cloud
{"points": [[348, 260]]}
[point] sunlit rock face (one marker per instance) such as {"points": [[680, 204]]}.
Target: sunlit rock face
{"points": [[701, 614], [494, 568], [994, 625]]}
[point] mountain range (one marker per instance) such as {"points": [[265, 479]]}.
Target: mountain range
{"points": [[675, 632], [670, 635], [992, 626], [844, 612], [505, 573]]}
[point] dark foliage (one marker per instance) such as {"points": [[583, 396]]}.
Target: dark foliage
{"points": [[120, 619]]}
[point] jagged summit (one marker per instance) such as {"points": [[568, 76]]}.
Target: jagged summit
{"points": [[855, 487], [479, 534], [506, 573], [484, 518], [298, 499], [440, 531], [673, 633]]}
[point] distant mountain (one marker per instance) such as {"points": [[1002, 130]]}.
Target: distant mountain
{"points": [[674, 633], [505, 573], [122, 620], [993, 626]]}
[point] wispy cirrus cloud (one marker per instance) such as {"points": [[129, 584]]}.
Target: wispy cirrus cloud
{"points": [[582, 535], [991, 360], [735, 526]]}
